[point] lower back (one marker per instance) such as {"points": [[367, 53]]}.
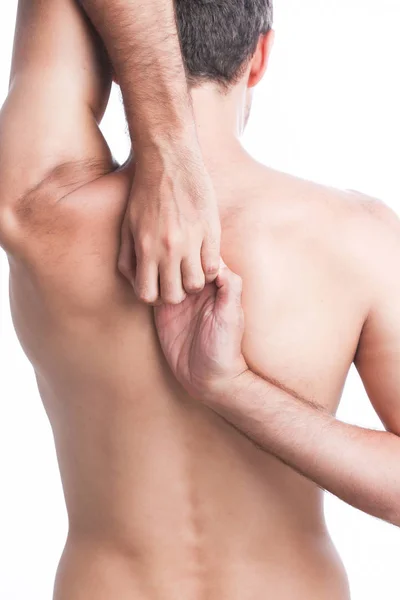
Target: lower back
{"points": [[92, 571], [165, 499]]}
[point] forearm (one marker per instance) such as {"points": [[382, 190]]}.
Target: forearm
{"points": [[143, 44], [359, 466]]}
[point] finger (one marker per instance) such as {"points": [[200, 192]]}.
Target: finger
{"points": [[171, 289], [146, 281], [127, 257], [230, 288], [210, 255], [193, 278]]}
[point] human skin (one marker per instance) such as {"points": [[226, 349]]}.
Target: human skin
{"points": [[170, 238], [202, 341], [165, 498]]}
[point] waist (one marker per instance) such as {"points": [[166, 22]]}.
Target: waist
{"points": [[308, 569]]}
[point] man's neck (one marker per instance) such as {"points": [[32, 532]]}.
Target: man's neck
{"points": [[220, 122]]}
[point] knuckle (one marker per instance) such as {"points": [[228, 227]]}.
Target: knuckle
{"points": [[145, 244], [195, 286], [146, 297], [171, 242], [212, 268], [211, 265], [211, 271]]}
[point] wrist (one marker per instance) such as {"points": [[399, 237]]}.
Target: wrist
{"points": [[224, 391], [179, 143]]}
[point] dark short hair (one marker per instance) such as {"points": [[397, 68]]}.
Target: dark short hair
{"points": [[219, 37]]}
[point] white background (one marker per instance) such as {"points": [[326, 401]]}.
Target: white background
{"points": [[329, 111]]}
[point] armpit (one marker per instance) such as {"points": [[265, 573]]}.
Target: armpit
{"points": [[36, 216]]}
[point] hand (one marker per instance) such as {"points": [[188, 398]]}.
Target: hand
{"points": [[202, 337], [171, 232]]}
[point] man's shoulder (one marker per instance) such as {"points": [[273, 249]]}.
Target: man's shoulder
{"points": [[360, 231], [352, 229], [354, 212], [376, 230], [372, 224], [373, 216]]}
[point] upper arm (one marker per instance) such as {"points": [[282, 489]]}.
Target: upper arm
{"points": [[378, 355], [59, 88]]}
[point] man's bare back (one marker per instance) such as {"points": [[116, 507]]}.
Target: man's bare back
{"points": [[160, 489], [165, 498]]}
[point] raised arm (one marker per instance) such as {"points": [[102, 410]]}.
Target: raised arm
{"points": [[49, 136], [171, 232], [142, 41], [202, 343]]}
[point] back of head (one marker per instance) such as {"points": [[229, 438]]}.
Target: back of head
{"points": [[219, 37]]}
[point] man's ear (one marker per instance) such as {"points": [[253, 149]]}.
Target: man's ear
{"points": [[259, 62]]}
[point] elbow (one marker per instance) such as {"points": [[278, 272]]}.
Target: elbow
{"points": [[382, 502], [387, 506]]}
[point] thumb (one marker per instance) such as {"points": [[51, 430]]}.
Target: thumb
{"points": [[229, 294]]}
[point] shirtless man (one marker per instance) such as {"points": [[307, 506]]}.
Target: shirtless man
{"points": [[167, 499]]}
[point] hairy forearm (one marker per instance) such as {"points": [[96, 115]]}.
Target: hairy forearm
{"points": [[359, 466], [142, 41]]}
